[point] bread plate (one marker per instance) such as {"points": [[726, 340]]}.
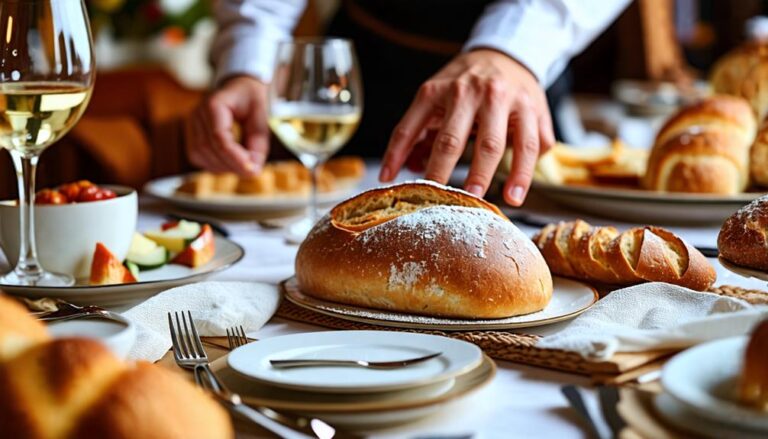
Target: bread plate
{"points": [[165, 189], [640, 206], [742, 271], [151, 282], [360, 410], [569, 299], [705, 380]]}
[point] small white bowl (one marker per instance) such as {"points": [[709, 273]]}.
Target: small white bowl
{"points": [[118, 335], [67, 234]]}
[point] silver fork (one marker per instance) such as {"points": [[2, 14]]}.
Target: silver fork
{"points": [[189, 353], [236, 337]]}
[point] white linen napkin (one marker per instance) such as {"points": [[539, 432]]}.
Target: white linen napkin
{"points": [[215, 306], [654, 316]]}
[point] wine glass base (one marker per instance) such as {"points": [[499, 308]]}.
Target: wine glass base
{"points": [[296, 232], [44, 279]]}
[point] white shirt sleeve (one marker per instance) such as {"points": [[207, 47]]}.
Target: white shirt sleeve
{"points": [[543, 35], [249, 31]]}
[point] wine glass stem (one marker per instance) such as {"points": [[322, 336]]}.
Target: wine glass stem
{"points": [[312, 208], [26, 167]]}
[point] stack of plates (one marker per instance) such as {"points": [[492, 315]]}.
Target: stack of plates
{"points": [[700, 392], [351, 396]]}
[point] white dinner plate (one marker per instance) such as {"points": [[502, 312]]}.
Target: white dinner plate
{"points": [[457, 357], [150, 282], [705, 380], [680, 416], [639, 206], [359, 410], [743, 271], [118, 334], [165, 189], [569, 299]]}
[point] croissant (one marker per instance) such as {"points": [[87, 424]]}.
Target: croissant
{"points": [[703, 149], [603, 255], [76, 388]]}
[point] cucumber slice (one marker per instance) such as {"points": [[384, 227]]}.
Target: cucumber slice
{"points": [[156, 258], [176, 238], [133, 268]]}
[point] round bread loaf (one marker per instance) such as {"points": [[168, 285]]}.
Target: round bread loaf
{"points": [[744, 72], [18, 331], [758, 161], [703, 149], [426, 249], [743, 239]]}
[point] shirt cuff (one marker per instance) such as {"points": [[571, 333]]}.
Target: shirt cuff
{"points": [[249, 56]]}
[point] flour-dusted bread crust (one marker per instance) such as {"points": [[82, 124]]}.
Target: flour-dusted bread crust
{"points": [[425, 249], [743, 239]]}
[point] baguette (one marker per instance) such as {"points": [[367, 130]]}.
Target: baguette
{"points": [[642, 254]]}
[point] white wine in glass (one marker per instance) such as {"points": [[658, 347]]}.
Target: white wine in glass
{"points": [[315, 105], [46, 77]]}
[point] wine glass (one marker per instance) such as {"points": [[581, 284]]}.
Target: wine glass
{"points": [[46, 77], [315, 104]]}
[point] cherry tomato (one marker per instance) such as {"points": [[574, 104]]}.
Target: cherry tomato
{"points": [[90, 193], [50, 196], [72, 190]]}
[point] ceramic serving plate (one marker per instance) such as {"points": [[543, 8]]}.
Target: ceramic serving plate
{"points": [[569, 299], [118, 333], [457, 357], [640, 206], [705, 380], [743, 271], [360, 410], [151, 282], [165, 189], [682, 417]]}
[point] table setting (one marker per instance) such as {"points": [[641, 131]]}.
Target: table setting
{"points": [[626, 298]]}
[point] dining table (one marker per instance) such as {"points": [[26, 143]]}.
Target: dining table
{"points": [[521, 401]]}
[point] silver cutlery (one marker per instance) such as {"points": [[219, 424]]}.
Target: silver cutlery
{"points": [[593, 420], [609, 400], [67, 311], [312, 362], [189, 353], [236, 337]]}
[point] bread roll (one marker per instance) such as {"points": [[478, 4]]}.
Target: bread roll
{"points": [[18, 331], [642, 254], [758, 160], [743, 239], [76, 388], [753, 385], [703, 149], [744, 72], [426, 249]]}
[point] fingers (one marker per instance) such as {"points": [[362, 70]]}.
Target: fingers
{"points": [[526, 152], [256, 138], [198, 145], [230, 152], [546, 132], [490, 143], [452, 137], [406, 133]]}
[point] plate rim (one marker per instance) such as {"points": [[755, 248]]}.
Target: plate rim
{"points": [[94, 289], [730, 409], [631, 195], [290, 294], [486, 371], [742, 271], [371, 389]]}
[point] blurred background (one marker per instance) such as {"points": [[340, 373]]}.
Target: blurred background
{"points": [[153, 68]]}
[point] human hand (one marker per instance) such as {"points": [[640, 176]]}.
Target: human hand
{"points": [[211, 142], [488, 89]]}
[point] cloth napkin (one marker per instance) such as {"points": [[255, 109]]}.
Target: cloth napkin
{"points": [[215, 306], [654, 316]]}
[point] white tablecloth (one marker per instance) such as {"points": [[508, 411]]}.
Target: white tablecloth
{"points": [[521, 402]]}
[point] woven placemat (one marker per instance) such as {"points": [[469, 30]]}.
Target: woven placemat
{"points": [[520, 347]]}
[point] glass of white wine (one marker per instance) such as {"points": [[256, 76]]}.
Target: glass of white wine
{"points": [[315, 104], [46, 77]]}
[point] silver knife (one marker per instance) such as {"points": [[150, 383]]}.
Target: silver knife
{"points": [[609, 401]]}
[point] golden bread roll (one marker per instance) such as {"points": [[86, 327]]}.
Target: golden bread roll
{"points": [[225, 182], [753, 385], [199, 184], [345, 167], [642, 254], [426, 249], [703, 149], [744, 72], [261, 184], [758, 160], [290, 176], [743, 239], [18, 330], [77, 388]]}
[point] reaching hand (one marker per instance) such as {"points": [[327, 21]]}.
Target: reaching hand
{"points": [[211, 140], [488, 89]]}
